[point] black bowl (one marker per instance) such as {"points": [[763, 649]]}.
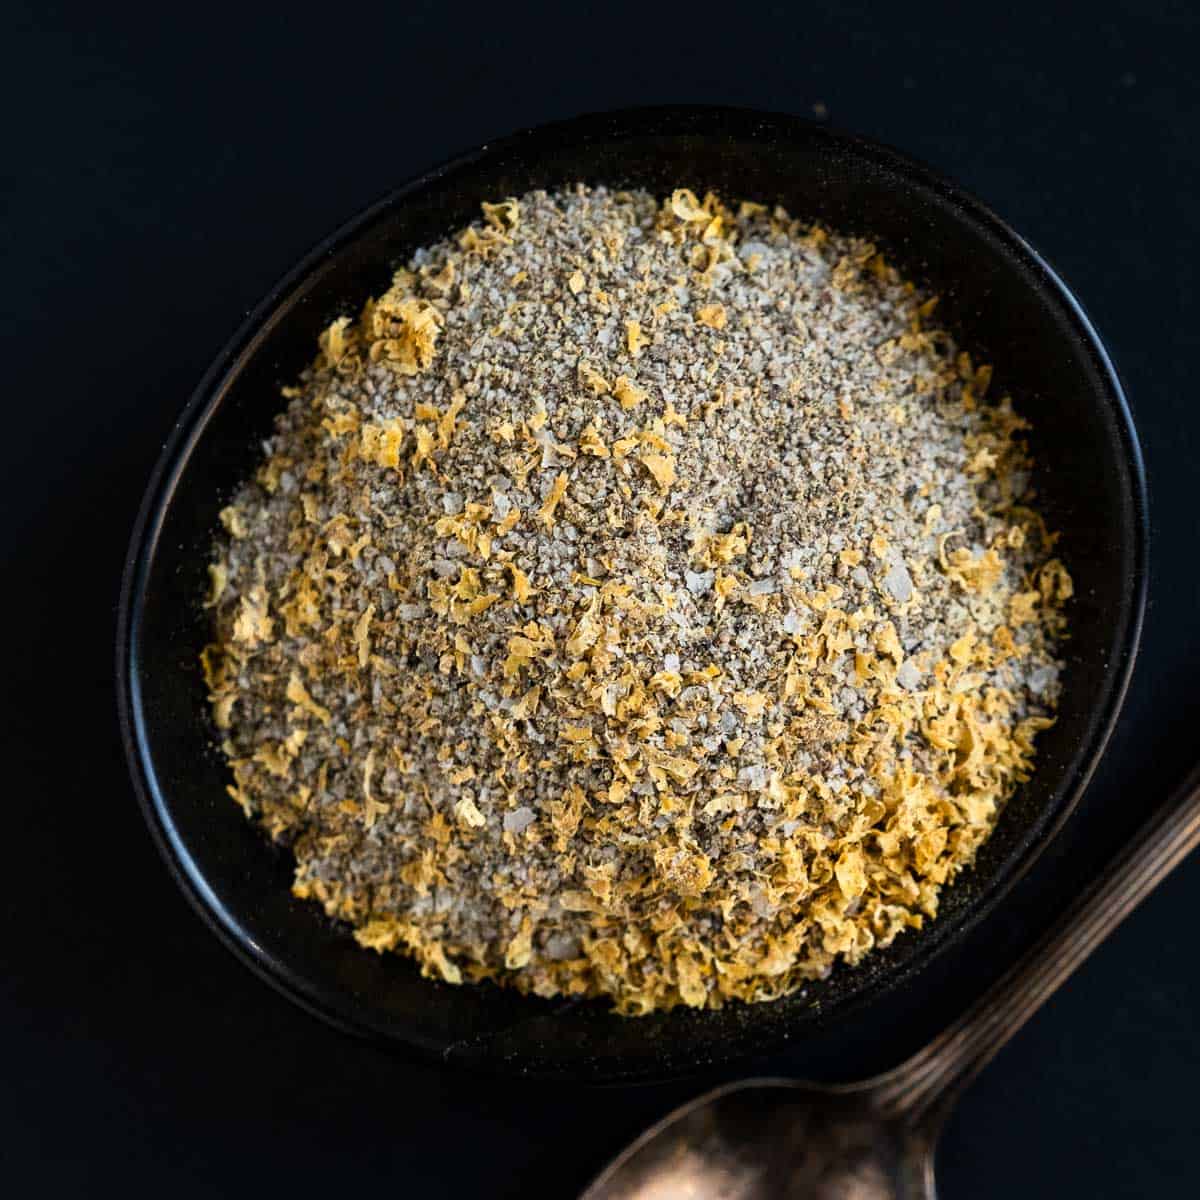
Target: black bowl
{"points": [[1002, 301]]}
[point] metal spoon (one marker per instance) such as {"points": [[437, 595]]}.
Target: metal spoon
{"points": [[875, 1140]]}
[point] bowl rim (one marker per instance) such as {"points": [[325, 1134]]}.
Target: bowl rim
{"points": [[206, 398]]}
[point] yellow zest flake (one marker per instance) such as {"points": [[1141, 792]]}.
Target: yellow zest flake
{"points": [[591, 379], [628, 393], [481, 603], [850, 873], [586, 631], [1022, 608], [297, 693], [461, 775], [712, 548], [624, 446], [467, 814], [503, 216], [380, 443], [252, 625], [672, 417], [469, 527], [302, 610], [753, 704], [664, 767], [213, 665], [1055, 584], [590, 442], [520, 948], [576, 283], [974, 573], [337, 341], [687, 872], [635, 339], [482, 243], [527, 705], [667, 682], [218, 579], [687, 208], [371, 807], [426, 444], [276, 758], [963, 649], [342, 422], [887, 641], [618, 791], [557, 490], [404, 329], [565, 814], [724, 586], [234, 521], [520, 584], [662, 467], [447, 421], [362, 636], [983, 461], [712, 315]]}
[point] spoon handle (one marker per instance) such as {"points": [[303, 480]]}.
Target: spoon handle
{"points": [[927, 1083]]}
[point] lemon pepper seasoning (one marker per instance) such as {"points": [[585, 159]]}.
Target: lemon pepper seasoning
{"points": [[638, 600]]}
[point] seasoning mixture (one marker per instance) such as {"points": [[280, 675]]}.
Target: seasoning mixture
{"points": [[636, 600]]}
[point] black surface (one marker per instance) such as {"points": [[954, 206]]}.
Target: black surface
{"points": [[158, 176], [1003, 304]]}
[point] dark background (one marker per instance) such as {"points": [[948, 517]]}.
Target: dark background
{"points": [[159, 173]]}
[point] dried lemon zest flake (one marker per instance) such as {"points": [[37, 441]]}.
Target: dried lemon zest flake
{"points": [[590, 442], [505, 216], [380, 443], [234, 521], [337, 341], [662, 467], [557, 490], [628, 392], [522, 591], [218, 578], [591, 378], [403, 329], [297, 693], [362, 637]]}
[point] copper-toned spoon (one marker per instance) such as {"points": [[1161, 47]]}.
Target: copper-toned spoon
{"points": [[874, 1140]]}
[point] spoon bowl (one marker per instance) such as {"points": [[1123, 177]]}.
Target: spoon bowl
{"points": [[767, 1138], [875, 1139]]}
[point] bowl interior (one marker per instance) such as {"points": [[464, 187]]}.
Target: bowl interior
{"points": [[999, 299]]}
